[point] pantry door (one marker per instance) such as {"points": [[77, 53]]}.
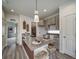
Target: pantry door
{"points": [[69, 34]]}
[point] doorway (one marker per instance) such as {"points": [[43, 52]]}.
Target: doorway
{"points": [[33, 29], [12, 33]]}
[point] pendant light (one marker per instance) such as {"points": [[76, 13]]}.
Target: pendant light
{"points": [[36, 17]]}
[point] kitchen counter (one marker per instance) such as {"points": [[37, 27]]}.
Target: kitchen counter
{"points": [[35, 46], [33, 49]]}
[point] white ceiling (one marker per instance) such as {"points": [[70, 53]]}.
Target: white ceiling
{"points": [[27, 7]]}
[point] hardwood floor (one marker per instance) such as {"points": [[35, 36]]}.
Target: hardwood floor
{"points": [[63, 56], [17, 52], [14, 52]]}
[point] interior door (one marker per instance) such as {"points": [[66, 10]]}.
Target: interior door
{"points": [[69, 34]]}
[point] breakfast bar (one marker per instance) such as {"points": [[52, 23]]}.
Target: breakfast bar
{"points": [[34, 45]]}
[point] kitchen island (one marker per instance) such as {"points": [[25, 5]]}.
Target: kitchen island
{"points": [[32, 49]]}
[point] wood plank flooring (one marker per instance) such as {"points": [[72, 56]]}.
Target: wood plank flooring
{"points": [[17, 52], [14, 52]]}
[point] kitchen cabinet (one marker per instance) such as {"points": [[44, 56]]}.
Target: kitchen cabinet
{"points": [[52, 21], [41, 23], [49, 21]]}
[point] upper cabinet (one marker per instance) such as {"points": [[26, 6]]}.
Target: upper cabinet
{"points": [[41, 23], [52, 21]]}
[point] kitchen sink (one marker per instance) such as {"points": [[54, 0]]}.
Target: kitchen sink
{"points": [[36, 42], [45, 39]]}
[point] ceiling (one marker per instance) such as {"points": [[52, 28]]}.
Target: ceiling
{"points": [[27, 7]]}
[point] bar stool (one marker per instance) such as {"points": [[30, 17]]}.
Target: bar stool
{"points": [[52, 51]]}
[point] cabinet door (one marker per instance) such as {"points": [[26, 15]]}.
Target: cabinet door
{"points": [[51, 21], [41, 23]]}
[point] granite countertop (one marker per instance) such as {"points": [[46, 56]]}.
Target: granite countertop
{"points": [[33, 46]]}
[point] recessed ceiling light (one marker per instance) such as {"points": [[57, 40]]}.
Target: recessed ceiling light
{"points": [[45, 10], [12, 10]]}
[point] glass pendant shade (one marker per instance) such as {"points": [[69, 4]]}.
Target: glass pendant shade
{"points": [[36, 17]]}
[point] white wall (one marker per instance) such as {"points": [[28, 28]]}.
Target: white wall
{"points": [[3, 14], [10, 16], [20, 27], [4, 41]]}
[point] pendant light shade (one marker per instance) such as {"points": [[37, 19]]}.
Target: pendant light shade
{"points": [[36, 17]]}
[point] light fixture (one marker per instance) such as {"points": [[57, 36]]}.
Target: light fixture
{"points": [[12, 10], [36, 17], [45, 10]]}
